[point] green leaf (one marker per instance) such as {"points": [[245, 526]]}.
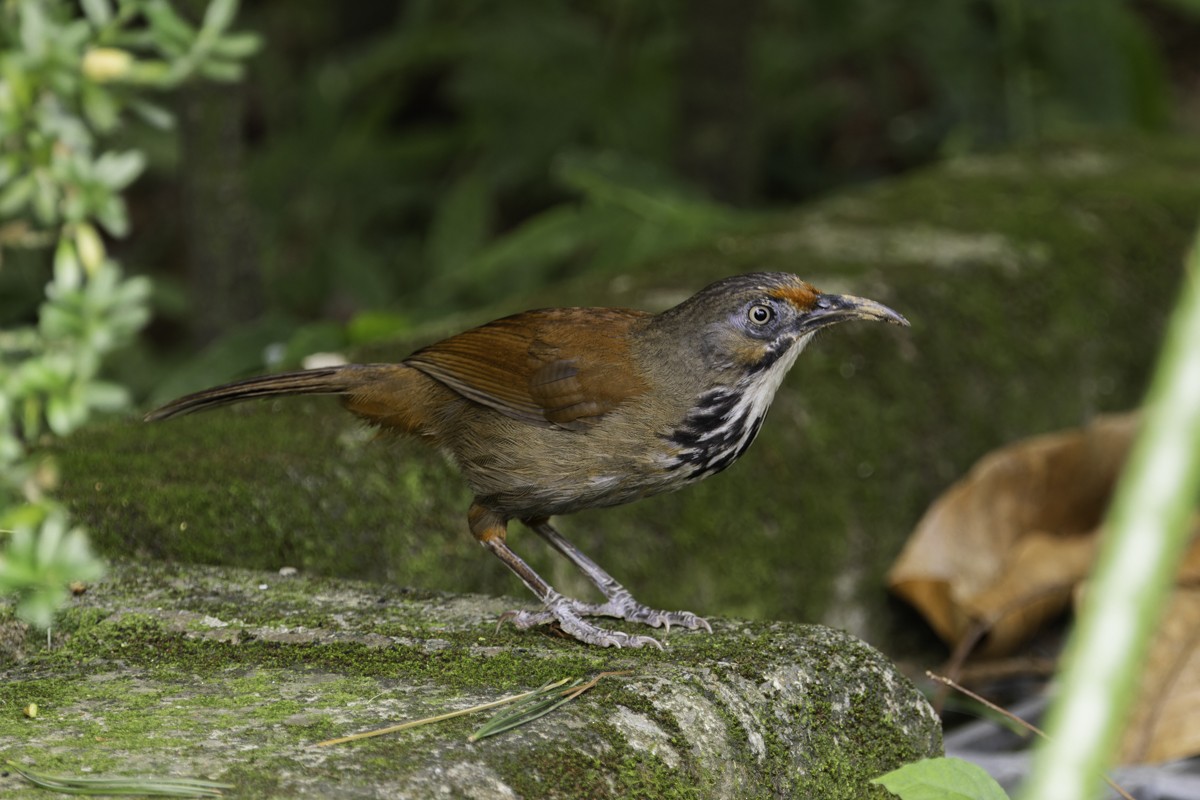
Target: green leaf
{"points": [[68, 275], [219, 15], [150, 72], [546, 699], [153, 115], [45, 198], [65, 412], [100, 107], [57, 322], [99, 12], [103, 396], [43, 556], [237, 45], [118, 170], [16, 195], [941, 779], [35, 31], [115, 785], [223, 71], [167, 23], [112, 216]]}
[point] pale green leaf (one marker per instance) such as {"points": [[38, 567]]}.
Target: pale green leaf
{"points": [[68, 274], [941, 779], [99, 12], [16, 195], [167, 23], [100, 107], [219, 15], [103, 396], [224, 71], [154, 115], [119, 785], [237, 45], [118, 170]]}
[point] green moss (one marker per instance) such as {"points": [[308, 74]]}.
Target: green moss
{"points": [[148, 673], [551, 772]]}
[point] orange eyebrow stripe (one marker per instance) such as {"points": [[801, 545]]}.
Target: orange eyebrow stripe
{"points": [[802, 297]]}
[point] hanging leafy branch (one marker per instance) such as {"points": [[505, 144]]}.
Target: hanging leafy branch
{"points": [[66, 81]]}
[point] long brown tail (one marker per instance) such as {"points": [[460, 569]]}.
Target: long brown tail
{"points": [[349, 379]]}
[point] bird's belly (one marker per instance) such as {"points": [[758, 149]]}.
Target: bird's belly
{"points": [[556, 471], [594, 484]]}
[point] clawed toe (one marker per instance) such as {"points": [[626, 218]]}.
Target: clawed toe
{"points": [[562, 612], [665, 619], [568, 614]]}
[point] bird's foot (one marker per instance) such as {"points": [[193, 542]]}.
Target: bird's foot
{"points": [[625, 607], [568, 614], [621, 606]]}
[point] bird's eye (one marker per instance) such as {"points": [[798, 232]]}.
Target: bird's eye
{"points": [[760, 314]]}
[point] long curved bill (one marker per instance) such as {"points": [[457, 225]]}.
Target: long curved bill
{"points": [[829, 309]]}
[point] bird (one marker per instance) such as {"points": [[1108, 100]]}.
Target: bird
{"points": [[556, 410]]}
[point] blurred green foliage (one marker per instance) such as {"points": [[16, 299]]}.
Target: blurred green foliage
{"points": [[398, 162], [66, 80], [430, 155]]}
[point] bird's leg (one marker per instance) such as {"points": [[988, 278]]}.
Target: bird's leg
{"points": [[490, 529], [618, 601]]}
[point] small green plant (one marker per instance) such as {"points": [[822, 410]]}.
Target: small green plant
{"points": [[67, 80], [941, 779]]}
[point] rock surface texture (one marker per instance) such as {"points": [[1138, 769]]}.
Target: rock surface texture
{"points": [[237, 675]]}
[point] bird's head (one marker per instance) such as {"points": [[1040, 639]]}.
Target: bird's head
{"points": [[758, 323]]}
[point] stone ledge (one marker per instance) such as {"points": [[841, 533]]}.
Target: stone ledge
{"points": [[235, 675]]}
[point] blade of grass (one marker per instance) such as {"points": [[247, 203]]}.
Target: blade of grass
{"points": [[526, 711], [1145, 535], [537, 705], [121, 786]]}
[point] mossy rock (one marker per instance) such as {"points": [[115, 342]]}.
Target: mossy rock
{"points": [[1037, 283], [236, 676]]}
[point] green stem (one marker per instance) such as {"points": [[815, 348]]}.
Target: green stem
{"points": [[1145, 535]]}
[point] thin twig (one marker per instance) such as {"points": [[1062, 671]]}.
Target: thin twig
{"points": [[980, 628], [1029, 726]]}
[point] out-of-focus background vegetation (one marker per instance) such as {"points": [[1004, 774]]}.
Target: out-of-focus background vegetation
{"points": [[384, 164]]}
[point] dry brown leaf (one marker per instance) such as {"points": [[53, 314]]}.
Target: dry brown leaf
{"points": [[1007, 546], [1165, 722], [1037, 584], [1050, 489]]}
